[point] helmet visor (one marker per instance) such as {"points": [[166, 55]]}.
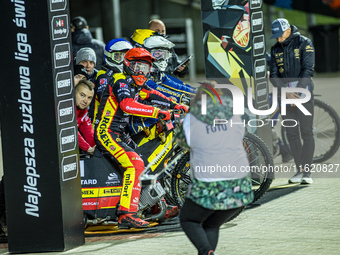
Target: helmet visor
{"points": [[116, 56], [140, 67], [160, 54]]}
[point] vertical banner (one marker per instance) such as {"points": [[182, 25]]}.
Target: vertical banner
{"points": [[258, 52], [234, 45], [38, 128], [259, 70], [227, 45]]}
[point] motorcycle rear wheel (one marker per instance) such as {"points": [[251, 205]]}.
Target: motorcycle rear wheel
{"points": [[258, 156], [326, 132]]}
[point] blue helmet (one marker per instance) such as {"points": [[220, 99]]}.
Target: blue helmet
{"points": [[115, 51]]}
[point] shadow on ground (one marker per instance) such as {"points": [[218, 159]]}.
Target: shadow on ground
{"points": [[173, 225]]}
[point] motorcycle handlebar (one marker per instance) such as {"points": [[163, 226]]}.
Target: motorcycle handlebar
{"points": [[185, 100]]}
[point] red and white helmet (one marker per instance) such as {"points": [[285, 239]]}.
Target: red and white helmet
{"points": [[138, 63]]}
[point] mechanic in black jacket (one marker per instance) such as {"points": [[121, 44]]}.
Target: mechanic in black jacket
{"points": [[82, 37], [292, 65]]}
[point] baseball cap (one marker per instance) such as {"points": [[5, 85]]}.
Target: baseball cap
{"points": [[86, 54], [278, 27], [79, 22], [79, 69]]}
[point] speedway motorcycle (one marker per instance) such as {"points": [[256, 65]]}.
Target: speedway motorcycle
{"points": [[101, 176]]}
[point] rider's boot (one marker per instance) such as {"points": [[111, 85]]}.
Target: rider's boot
{"points": [[131, 220], [171, 211]]}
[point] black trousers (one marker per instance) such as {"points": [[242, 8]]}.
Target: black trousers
{"points": [[202, 225], [302, 150]]}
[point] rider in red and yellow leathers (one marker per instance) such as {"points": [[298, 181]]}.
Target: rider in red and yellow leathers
{"points": [[121, 99]]}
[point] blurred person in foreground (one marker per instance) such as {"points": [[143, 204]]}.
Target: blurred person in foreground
{"points": [[213, 197]]}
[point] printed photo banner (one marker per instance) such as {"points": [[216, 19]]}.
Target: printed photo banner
{"points": [[234, 45]]}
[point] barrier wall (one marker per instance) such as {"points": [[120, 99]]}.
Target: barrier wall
{"points": [[38, 128]]}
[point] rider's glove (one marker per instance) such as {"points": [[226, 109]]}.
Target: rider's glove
{"points": [[181, 107], [164, 115]]}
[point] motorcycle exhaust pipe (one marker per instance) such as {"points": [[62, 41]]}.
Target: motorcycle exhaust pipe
{"points": [[103, 222]]}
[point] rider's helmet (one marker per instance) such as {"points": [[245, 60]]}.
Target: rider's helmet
{"points": [[115, 51], [138, 63], [160, 49], [140, 35]]}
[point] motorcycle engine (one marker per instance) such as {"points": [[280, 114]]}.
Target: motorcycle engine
{"points": [[150, 196]]}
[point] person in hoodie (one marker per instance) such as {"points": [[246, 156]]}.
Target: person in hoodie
{"points": [[87, 58], [292, 65], [82, 37]]}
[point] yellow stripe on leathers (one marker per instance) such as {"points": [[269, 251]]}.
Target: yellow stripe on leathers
{"points": [[116, 150], [96, 101], [129, 180], [95, 111]]}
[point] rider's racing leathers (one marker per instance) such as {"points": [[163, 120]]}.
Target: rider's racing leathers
{"points": [[104, 77], [169, 86], [119, 101]]}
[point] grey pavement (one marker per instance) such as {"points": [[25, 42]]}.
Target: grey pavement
{"points": [[289, 219], [303, 221]]}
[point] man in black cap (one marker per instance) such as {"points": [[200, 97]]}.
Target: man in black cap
{"points": [[82, 37], [79, 23], [292, 65]]}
